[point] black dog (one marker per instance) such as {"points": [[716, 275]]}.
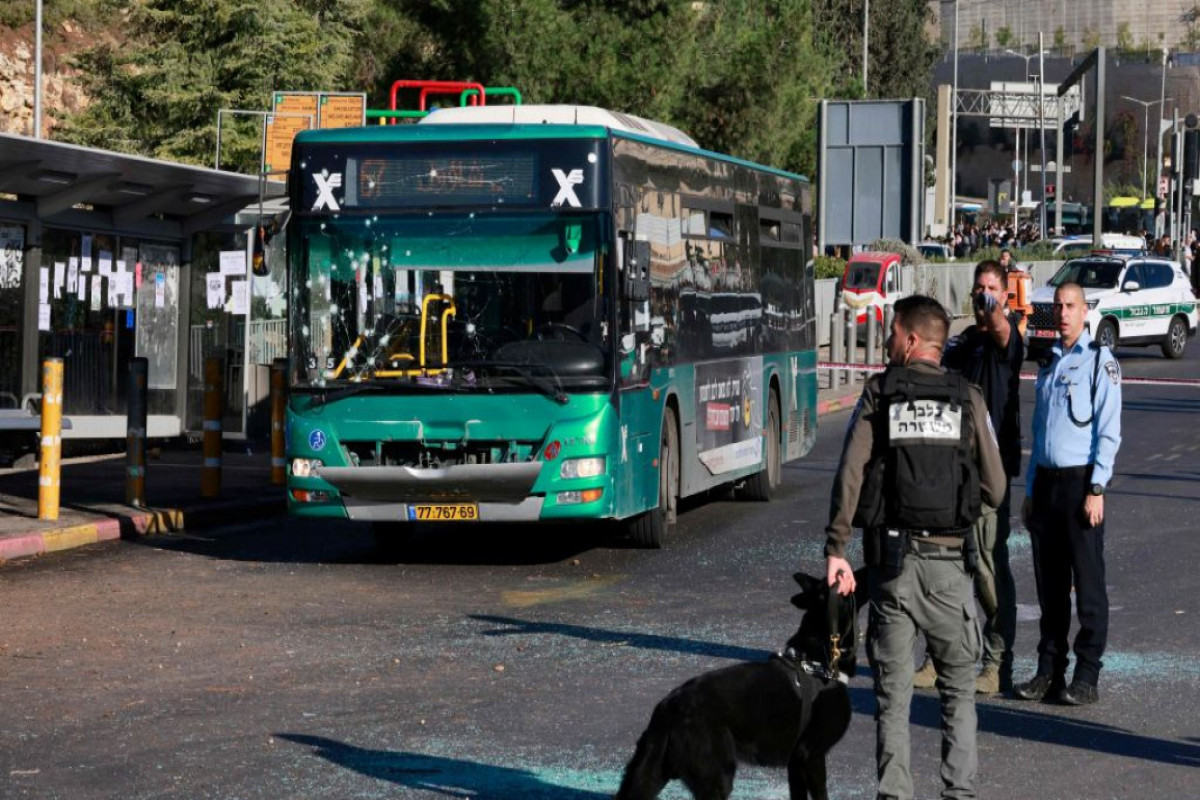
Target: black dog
{"points": [[790, 710]]}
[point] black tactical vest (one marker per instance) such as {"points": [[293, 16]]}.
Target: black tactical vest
{"points": [[930, 481]]}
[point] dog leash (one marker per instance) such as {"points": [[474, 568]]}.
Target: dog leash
{"points": [[836, 636]]}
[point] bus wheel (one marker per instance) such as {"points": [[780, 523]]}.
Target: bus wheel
{"points": [[762, 484], [392, 539], [647, 530]]}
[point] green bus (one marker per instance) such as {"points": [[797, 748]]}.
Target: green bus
{"points": [[541, 313]]}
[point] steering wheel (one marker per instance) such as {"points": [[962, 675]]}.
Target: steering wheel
{"points": [[556, 327]]}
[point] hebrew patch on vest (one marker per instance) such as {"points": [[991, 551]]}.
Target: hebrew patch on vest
{"points": [[924, 421]]}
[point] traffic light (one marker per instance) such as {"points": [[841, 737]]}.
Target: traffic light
{"points": [[1050, 191]]}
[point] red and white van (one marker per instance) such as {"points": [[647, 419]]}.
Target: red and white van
{"points": [[870, 283]]}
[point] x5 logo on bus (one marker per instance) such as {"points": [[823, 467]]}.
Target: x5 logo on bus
{"points": [[567, 181], [325, 186]]}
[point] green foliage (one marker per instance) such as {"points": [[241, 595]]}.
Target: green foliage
{"points": [[1091, 39], [909, 255], [1124, 37], [743, 77], [1038, 251], [829, 267], [1004, 36], [160, 95], [978, 39], [1060, 38]]}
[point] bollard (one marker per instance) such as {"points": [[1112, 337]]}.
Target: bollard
{"points": [[851, 345], [278, 413], [872, 356], [214, 395], [135, 434], [50, 464], [835, 348], [889, 314]]}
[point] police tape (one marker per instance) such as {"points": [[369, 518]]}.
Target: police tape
{"points": [[1025, 376]]}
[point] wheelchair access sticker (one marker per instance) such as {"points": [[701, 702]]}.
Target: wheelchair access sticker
{"points": [[316, 439]]}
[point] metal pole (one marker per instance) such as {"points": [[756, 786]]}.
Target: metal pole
{"points": [[835, 346], [50, 465], [954, 129], [278, 414], [866, 40], [872, 354], [37, 86], [1098, 159], [1158, 132], [1042, 132], [214, 395], [135, 433], [851, 344], [1058, 163]]}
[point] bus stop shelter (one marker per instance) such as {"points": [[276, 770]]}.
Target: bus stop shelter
{"points": [[106, 256]]}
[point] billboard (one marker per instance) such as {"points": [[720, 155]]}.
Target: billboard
{"points": [[871, 171]]}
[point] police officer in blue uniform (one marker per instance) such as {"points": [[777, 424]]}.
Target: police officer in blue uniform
{"points": [[1076, 435]]}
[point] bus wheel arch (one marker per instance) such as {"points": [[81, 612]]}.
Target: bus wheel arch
{"points": [[762, 484], [649, 528]]}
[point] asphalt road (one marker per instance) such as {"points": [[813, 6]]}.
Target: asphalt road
{"points": [[285, 660]]}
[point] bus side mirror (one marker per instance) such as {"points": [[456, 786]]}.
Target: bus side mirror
{"points": [[635, 275]]}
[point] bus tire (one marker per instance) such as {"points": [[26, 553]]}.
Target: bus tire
{"points": [[762, 484], [393, 539], [647, 530]]}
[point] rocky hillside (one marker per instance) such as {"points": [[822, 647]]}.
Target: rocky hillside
{"points": [[59, 93]]}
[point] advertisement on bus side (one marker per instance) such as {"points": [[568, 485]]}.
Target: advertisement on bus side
{"points": [[729, 414]]}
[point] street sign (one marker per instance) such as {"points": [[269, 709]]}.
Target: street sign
{"points": [[343, 110]]}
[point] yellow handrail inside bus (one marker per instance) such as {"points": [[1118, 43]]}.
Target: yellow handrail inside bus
{"points": [[451, 311]]}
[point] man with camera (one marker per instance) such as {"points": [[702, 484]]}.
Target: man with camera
{"points": [[990, 354]]}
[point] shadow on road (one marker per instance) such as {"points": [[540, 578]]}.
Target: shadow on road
{"points": [[293, 541], [645, 641], [448, 776]]}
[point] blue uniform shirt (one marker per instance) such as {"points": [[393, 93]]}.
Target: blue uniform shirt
{"points": [[1064, 391]]}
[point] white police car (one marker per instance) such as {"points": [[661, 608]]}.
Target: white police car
{"points": [[1141, 300]]}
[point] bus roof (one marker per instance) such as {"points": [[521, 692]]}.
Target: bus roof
{"points": [[455, 131], [559, 115]]}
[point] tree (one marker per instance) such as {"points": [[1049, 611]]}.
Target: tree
{"points": [[978, 39], [186, 59], [1004, 36], [1060, 38], [1124, 37]]}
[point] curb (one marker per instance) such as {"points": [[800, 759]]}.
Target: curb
{"points": [[837, 404], [135, 525]]}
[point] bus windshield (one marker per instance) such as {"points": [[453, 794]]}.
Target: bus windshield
{"points": [[1089, 274], [462, 300]]}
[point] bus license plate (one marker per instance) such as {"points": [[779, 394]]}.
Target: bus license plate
{"points": [[444, 512]]}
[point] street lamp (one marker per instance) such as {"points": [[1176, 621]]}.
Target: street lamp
{"points": [[1145, 104], [1024, 155]]}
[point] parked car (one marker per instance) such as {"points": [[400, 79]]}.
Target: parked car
{"points": [[1117, 243], [870, 283], [937, 250], [1142, 300]]}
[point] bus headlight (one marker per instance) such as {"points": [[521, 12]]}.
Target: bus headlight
{"points": [[303, 467], [581, 468]]}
